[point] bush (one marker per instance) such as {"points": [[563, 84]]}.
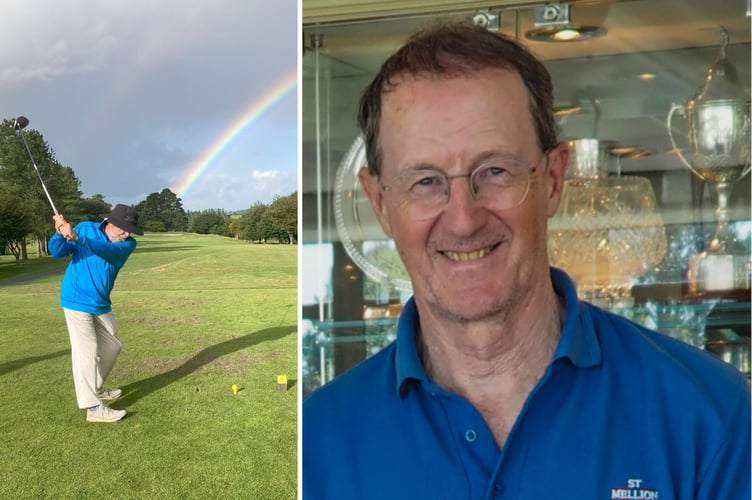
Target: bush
{"points": [[154, 226]]}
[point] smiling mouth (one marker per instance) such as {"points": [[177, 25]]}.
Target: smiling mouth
{"points": [[466, 256]]}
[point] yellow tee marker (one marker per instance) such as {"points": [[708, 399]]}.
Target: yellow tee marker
{"points": [[282, 382], [235, 389]]}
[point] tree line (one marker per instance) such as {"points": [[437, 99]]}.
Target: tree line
{"points": [[25, 214], [276, 222]]}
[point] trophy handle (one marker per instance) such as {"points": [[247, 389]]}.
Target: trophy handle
{"points": [[669, 119]]}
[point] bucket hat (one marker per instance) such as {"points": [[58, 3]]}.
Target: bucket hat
{"points": [[124, 217]]}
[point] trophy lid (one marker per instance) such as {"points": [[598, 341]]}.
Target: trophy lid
{"points": [[722, 83]]}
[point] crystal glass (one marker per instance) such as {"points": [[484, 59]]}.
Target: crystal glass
{"points": [[607, 233]]}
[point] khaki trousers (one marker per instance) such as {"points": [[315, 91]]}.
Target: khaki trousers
{"points": [[94, 349]]}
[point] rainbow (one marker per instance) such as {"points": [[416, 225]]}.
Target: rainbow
{"points": [[237, 126]]}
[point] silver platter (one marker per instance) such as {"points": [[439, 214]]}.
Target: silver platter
{"points": [[359, 230]]}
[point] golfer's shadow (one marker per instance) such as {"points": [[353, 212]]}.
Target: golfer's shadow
{"points": [[137, 390], [17, 364]]}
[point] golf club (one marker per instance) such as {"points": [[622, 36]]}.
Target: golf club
{"points": [[20, 123]]}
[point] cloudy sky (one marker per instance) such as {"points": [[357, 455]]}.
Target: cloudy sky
{"points": [[197, 96]]}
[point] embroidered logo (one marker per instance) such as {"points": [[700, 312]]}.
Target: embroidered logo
{"points": [[634, 490]]}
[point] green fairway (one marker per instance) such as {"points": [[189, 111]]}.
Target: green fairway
{"points": [[197, 314]]}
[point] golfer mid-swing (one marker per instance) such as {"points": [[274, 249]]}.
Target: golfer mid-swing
{"points": [[98, 251]]}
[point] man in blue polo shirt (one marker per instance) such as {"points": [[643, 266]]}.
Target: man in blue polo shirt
{"points": [[501, 383]]}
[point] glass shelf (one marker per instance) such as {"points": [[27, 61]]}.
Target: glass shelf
{"points": [[690, 322]]}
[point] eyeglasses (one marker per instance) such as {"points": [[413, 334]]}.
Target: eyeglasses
{"points": [[498, 183]]}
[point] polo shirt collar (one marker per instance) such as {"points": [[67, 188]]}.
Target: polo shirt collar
{"points": [[578, 341], [406, 358]]}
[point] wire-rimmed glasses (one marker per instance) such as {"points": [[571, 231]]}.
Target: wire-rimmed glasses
{"points": [[498, 183]]}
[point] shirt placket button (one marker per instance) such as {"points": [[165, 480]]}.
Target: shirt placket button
{"points": [[471, 435]]}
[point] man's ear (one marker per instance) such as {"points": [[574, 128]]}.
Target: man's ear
{"points": [[558, 162], [375, 195]]}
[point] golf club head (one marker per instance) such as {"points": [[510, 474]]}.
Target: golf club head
{"points": [[20, 123]]}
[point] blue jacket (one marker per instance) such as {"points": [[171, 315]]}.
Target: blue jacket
{"points": [[94, 265]]}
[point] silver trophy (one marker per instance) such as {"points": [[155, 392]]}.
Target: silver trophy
{"points": [[718, 121]]}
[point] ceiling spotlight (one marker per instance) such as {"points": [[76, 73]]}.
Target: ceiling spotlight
{"points": [[553, 24], [567, 34], [628, 152], [560, 111]]}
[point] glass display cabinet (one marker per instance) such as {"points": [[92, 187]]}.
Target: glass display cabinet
{"points": [[633, 96]]}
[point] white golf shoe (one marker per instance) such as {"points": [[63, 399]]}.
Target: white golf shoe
{"points": [[104, 413], [109, 394]]}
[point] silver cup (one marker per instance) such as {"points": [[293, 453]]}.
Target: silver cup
{"points": [[718, 123], [719, 139]]}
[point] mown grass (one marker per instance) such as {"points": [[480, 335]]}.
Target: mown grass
{"points": [[197, 314]]}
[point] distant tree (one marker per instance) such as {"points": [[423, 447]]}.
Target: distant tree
{"points": [[280, 221], [63, 182], [165, 207], [233, 224], [249, 226], [154, 226], [15, 224], [93, 208], [209, 222]]}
